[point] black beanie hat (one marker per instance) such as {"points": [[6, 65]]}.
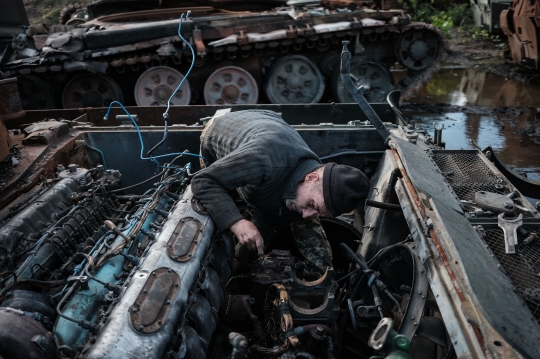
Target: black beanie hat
{"points": [[344, 187]]}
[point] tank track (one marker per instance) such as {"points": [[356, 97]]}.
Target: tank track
{"points": [[132, 58]]}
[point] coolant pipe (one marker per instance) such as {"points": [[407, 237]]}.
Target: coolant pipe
{"points": [[84, 305]]}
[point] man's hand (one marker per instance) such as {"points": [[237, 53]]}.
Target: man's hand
{"points": [[248, 235]]}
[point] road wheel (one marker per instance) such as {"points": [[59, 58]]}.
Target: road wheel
{"points": [[156, 85], [90, 90], [231, 85], [294, 79], [370, 73], [418, 49], [35, 93]]}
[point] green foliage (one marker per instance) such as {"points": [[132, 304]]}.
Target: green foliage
{"points": [[442, 14], [444, 23]]}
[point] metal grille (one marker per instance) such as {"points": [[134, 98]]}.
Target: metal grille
{"points": [[468, 174], [523, 268]]}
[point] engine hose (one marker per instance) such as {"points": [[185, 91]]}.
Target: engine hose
{"points": [[41, 283], [270, 351], [373, 280]]}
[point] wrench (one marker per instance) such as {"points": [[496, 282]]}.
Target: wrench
{"points": [[509, 227]]}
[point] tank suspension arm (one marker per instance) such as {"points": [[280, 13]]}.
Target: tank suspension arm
{"points": [[357, 93]]}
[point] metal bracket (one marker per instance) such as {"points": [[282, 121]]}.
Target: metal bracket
{"points": [[199, 44], [357, 93], [509, 227]]}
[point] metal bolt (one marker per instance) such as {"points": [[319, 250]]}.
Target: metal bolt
{"points": [[423, 297], [153, 274], [419, 292], [415, 324], [190, 255], [168, 302], [412, 318], [145, 291], [140, 327], [159, 322], [176, 284]]}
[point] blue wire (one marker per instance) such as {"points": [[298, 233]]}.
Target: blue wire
{"points": [[166, 113], [101, 153], [140, 136]]}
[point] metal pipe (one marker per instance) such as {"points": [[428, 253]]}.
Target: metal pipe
{"points": [[383, 205], [357, 93]]}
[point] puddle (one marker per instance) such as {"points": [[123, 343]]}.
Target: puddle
{"points": [[506, 133], [473, 87]]}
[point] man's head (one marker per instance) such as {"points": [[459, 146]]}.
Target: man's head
{"points": [[330, 190]]}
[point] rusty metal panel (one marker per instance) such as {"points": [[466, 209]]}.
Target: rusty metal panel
{"points": [[10, 101], [185, 239], [153, 304], [5, 142]]}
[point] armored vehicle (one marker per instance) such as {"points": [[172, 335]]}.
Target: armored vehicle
{"points": [[486, 14], [282, 54], [521, 23], [105, 255]]}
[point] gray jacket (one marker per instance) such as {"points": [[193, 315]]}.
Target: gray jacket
{"points": [[259, 155]]}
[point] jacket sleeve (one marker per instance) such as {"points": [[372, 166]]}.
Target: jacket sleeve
{"points": [[242, 167]]}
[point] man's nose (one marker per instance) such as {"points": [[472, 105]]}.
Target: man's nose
{"points": [[308, 212]]}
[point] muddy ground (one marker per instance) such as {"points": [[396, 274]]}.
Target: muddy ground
{"points": [[491, 55]]}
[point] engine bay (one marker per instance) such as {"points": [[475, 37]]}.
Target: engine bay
{"points": [[91, 270]]}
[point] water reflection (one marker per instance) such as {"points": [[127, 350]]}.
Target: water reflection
{"points": [[477, 88], [470, 87]]}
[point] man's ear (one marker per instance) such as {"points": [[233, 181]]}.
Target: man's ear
{"points": [[312, 177]]}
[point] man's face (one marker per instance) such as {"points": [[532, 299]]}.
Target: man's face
{"points": [[309, 198]]}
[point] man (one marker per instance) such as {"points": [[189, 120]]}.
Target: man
{"points": [[272, 168]]}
